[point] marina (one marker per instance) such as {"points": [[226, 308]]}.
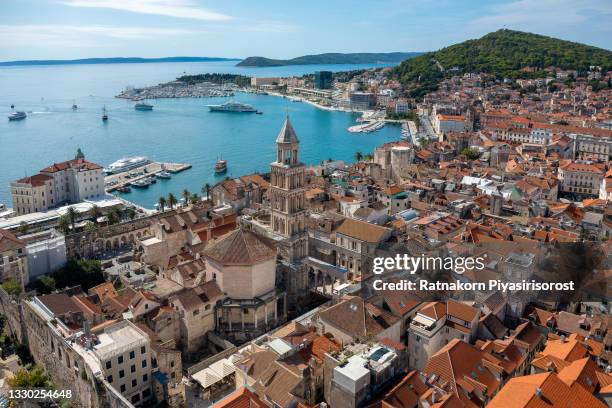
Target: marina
{"points": [[177, 130], [142, 176]]}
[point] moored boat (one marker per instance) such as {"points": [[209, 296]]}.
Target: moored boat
{"points": [[163, 175], [17, 116], [220, 166], [232, 107], [141, 106]]}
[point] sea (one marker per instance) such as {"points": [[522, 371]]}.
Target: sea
{"points": [[177, 130]]}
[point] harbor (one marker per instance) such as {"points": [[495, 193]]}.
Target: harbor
{"points": [[142, 177]]}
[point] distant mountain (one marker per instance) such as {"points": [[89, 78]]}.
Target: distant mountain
{"points": [[330, 58], [115, 60], [502, 53]]}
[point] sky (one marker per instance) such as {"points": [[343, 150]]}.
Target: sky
{"points": [[68, 29]]}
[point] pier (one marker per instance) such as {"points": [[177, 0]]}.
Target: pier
{"points": [[123, 179]]}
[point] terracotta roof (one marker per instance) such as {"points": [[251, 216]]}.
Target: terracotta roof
{"points": [[543, 390], [241, 398], [79, 164], [461, 310], [358, 318], [59, 303], [9, 241], [104, 291], [362, 231], [36, 180], [434, 310], [241, 247], [405, 394]]}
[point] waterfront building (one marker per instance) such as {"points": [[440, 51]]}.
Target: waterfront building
{"points": [[264, 81], [362, 101], [323, 79], [69, 182]]}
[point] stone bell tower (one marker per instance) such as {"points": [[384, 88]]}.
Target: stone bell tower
{"points": [[287, 196]]}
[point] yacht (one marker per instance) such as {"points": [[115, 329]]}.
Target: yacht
{"points": [[142, 183], [163, 175], [232, 107], [141, 106], [17, 115], [126, 164], [220, 166]]}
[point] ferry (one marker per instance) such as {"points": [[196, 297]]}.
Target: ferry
{"points": [[220, 166], [126, 164], [143, 106], [232, 107], [17, 116]]}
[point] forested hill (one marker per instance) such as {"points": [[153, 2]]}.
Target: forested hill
{"points": [[330, 58], [502, 53]]}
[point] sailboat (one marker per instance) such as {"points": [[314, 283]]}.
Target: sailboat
{"points": [[104, 114]]}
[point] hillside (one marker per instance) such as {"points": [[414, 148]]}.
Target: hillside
{"points": [[114, 60], [501, 53], [330, 58]]}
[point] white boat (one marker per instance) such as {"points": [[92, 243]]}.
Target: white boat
{"points": [[232, 107], [163, 175], [17, 115], [127, 164]]}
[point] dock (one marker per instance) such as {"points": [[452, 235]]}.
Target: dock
{"points": [[123, 179]]}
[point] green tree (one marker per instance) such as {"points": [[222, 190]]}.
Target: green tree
{"points": [[84, 272], [36, 377], [91, 226], [63, 225], [186, 195], [45, 284], [171, 200], [12, 287], [72, 215], [368, 157], [470, 153], [358, 156], [194, 199], [131, 213], [113, 217], [23, 227], [206, 190], [162, 203], [95, 213]]}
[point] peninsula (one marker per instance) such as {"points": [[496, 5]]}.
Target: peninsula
{"points": [[330, 58]]}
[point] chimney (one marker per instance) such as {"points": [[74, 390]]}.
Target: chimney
{"points": [[562, 338], [538, 392]]}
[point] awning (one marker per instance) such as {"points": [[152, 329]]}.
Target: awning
{"points": [[214, 373]]}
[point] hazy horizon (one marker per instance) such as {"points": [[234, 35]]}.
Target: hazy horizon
{"points": [[78, 29]]}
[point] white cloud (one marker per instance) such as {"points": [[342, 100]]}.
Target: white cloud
{"points": [[69, 35], [169, 8]]}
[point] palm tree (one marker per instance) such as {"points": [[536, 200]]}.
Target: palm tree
{"points": [[63, 224], [358, 156], [162, 203], [194, 198], [206, 190], [131, 213], [368, 157], [95, 213], [171, 200], [72, 214], [23, 227], [186, 196], [113, 217]]}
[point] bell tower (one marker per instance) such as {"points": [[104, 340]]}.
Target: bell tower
{"points": [[287, 194]]}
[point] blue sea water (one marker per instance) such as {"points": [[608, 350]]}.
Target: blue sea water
{"points": [[177, 130]]}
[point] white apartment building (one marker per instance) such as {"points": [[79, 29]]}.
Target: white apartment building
{"points": [[124, 353], [72, 181], [580, 178], [444, 124]]}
